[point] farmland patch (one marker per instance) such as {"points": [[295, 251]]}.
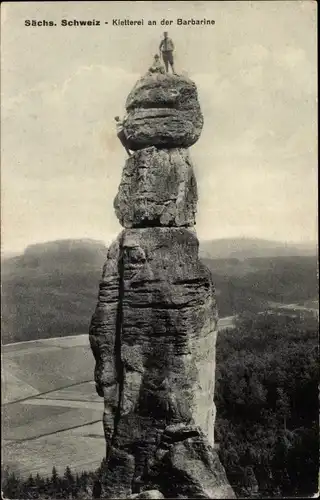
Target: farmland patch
{"points": [[20, 421], [64, 403], [14, 388], [80, 392], [55, 419], [77, 340], [49, 370], [39, 455]]}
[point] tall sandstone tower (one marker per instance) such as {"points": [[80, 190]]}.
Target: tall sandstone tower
{"points": [[154, 329]]}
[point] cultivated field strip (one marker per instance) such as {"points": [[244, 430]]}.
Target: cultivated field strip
{"points": [[65, 403], [46, 393], [14, 354], [78, 423], [51, 414], [76, 392], [70, 340], [47, 370], [82, 448], [14, 389], [34, 421]]}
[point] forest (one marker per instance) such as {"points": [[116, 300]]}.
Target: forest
{"points": [[267, 405], [82, 486], [267, 423]]}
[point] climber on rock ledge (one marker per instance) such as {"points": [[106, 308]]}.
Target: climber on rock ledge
{"points": [[121, 134], [156, 67], [166, 48]]}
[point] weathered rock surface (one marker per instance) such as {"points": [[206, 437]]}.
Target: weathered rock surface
{"points": [[158, 188], [163, 111], [104, 328], [153, 332], [160, 370], [186, 466], [148, 494]]}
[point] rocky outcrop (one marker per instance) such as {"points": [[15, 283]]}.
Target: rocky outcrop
{"points": [[163, 111], [185, 465], [158, 188], [154, 330]]}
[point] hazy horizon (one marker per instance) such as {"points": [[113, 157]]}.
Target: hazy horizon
{"points": [[255, 162], [308, 244]]}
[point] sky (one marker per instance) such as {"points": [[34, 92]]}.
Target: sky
{"points": [[256, 74]]}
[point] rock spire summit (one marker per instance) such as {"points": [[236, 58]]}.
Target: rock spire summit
{"points": [[154, 329]]}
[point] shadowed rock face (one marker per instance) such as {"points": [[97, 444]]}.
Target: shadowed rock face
{"points": [[153, 332], [158, 188], [163, 111], [160, 368], [153, 335], [184, 465]]}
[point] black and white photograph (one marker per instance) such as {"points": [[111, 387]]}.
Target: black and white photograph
{"points": [[159, 250]]}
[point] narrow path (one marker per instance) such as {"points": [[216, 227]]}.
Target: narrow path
{"points": [[67, 403], [56, 432], [47, 392]]}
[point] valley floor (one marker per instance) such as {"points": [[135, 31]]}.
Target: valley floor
{"points": [[51, 413]]}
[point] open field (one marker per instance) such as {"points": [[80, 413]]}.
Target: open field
{"points": [[47, 418], [78, 392], [51, 414], [82, 448], [45, 366]]}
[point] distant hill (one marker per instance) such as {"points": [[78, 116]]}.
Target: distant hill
{"points": [[244, 248], [51, 290], [251, 284], [8, 255], [249, 273], [54, 255]]}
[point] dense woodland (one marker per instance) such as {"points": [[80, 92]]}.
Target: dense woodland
{"points": [[84, 486], [267, 405], [267, 415], [251, 284]]}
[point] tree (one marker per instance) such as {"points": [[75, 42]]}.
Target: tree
{"points": [[13, 487], [267, 402], [96, 491], [40, 484], [68, 481], [55, 482]]}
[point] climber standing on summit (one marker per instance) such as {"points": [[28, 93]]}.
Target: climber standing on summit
{"points": [[166, 48]]}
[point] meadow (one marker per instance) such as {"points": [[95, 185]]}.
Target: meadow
{"points": [[51, 412]]}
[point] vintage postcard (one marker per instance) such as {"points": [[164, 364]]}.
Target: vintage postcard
{"points": [[159, 249]]}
